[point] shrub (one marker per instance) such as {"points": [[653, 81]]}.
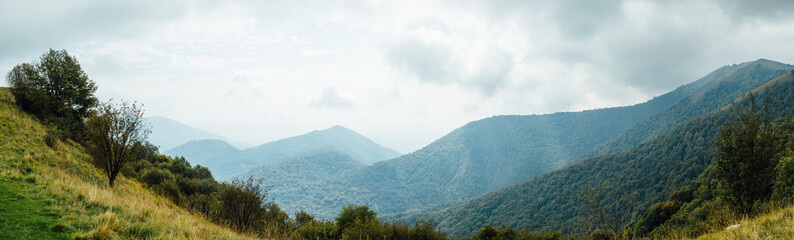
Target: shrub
{"points": [[352, 213], [241, 203], [324, 230]]}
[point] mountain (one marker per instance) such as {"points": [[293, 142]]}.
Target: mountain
{"points": [[337, 137], [489, 154], [644, 174], [225, 161], [735, 81], [168, 133], [211, 153], [290, 177]]}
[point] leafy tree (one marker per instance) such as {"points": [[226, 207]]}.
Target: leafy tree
{"points": [[241, 203], [784, 185], [113, 134], [744, 166], [55, 89], [352, 213], [303, 218]]}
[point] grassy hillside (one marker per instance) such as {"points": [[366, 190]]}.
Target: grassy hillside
{"points": [[776, 225], [53, 192], [643, 175]]}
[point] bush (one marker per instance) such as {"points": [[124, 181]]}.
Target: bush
{"points": [[352, 213], [241, 203], [156, 176], [303, 218], [324, 230]]}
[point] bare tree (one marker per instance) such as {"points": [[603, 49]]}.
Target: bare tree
{"points": [[113, 133]]}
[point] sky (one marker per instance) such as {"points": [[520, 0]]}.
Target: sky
{"points": [[403, 73]]}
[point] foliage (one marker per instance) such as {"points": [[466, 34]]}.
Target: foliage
{"points": [[489, 232], [784, 183], [113, 134], [352, 214], [706, 211], [55, 89], [744, 166], [303, 218], [241, 203]]}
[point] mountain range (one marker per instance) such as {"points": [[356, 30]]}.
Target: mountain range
{"points": [[226, 161], [644, 174], [496, 152], [168, 133]]}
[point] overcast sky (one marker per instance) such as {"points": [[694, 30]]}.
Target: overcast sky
{"points": [[403, 73]]}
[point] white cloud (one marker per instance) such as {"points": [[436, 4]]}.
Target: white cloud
{"points": [[401, 72]]}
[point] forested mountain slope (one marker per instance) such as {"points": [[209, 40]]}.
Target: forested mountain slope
{"points": [[737, 80], [226, 161], [647, 173], [295, 175], [486, 155]]}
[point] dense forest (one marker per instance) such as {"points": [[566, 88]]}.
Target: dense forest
{"points": [[627, 183]]}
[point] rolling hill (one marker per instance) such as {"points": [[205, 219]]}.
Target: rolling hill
{"points": [[226, 161], [646, 173]]}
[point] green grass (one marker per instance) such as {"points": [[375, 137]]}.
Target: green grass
{"points": [[26, 214]]}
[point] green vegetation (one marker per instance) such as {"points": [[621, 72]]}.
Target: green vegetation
{"points": [[709, 204], [26, 214], [732, 82], [644, 175], [112, 134], [292, 178], [56, 90], [744, 166]]}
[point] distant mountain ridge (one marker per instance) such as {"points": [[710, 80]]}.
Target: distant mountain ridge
{"points": [[225, 161], [168, 133], [488, 154], [733, 83]]}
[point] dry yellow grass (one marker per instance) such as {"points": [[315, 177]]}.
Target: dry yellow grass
{"points": [[79, 193], [775, 225]]}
